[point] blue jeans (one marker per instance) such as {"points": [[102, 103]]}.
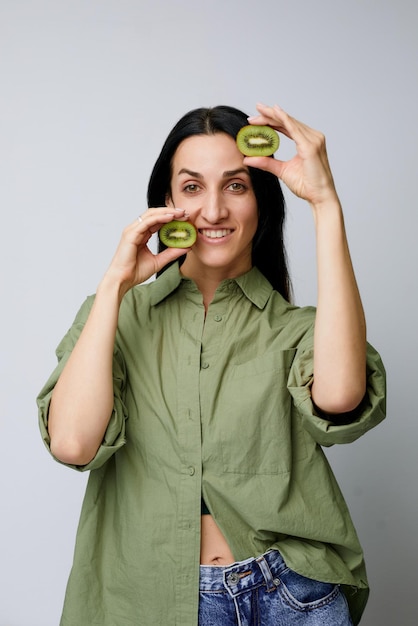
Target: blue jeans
{"points": [[264, 591]]}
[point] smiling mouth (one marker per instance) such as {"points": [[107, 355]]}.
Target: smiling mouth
{"points": [[215, 234]]}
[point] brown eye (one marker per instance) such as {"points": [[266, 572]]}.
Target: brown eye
{"points": [[192, 188], [236, 187]]}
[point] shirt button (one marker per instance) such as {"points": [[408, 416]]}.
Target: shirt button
{"points": [[218, 318], [205, 366], [191, 471]]}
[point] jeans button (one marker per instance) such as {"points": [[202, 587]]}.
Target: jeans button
{"points": [[232, 578]]}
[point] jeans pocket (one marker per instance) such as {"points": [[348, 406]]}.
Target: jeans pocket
{"points": [[304, 593]]}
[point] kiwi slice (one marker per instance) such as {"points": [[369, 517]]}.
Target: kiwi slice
{"points": [[178, 234], [257, 140]]}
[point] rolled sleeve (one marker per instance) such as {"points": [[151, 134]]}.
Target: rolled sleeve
{"points": [[115, 435], [368, 414]]}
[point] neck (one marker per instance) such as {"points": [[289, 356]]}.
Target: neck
{"points": [[208, 279], [207, 284]]}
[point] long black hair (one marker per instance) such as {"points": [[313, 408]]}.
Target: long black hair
{"points": [[268, 250]]}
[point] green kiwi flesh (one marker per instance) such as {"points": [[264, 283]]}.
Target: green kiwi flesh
{"points": [[178, 234], [257, 140]]}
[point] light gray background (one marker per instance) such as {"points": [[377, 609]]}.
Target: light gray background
{"points": [[89, 90]]}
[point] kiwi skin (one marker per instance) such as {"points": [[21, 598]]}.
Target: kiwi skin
{"points": [[255, 140], [178, 234]]}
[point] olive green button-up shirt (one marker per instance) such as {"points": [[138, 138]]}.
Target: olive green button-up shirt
{"points": [[220, 406]]}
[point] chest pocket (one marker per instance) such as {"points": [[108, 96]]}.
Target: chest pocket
{"points": [[259, 432]]}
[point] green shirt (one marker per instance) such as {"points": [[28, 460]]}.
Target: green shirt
{"points": [[218, 406]]}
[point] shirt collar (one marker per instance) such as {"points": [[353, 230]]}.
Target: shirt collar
{"points": [[253, 284], [165, 284]]}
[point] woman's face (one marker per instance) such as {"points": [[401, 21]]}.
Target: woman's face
{"points": [[210, 181]]}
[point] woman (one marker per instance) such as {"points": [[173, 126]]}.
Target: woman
{"points": [[193, 401]]}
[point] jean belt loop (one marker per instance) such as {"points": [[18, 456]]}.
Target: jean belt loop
{"points": [[266, 571]]}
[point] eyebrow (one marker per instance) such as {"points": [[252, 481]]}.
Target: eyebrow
{"points": [[227, 174]]}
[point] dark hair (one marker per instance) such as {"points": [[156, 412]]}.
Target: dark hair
{"points": [[268, 252]]}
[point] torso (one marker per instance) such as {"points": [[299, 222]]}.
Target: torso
{"points": [[214, 549]]}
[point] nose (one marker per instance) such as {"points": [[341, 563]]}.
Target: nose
{"points": [[214, 208]]}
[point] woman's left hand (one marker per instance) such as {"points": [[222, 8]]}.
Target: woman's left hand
{"points": [[307, 174], [340, 329]]}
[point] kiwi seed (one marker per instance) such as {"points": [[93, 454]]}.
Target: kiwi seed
{"points": [[178, 234], [257, 140]]}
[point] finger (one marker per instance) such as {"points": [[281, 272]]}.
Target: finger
{"points": [[276, 117], [264, 120], [274, 166], [289, 126], [151, 220], [269, 119], [159, 215], [168, 256]]}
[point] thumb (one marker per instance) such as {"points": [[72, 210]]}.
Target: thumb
{"points": [[265, 163], [168, 255]]}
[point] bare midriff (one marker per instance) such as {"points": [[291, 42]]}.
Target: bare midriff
{"points": [[214, 549]]}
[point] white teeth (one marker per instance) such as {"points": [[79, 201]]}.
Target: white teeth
{"points": [[216, 234]]}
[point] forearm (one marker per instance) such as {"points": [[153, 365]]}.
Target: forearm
{"points": [[82, 400], [340, 328]]}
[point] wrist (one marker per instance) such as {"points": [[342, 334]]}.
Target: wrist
{"points": [[328, 213], [112, 288], [326, 203]]}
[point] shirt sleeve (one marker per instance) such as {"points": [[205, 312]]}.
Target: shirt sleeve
{"points": [[368, 414], [115, 435]]}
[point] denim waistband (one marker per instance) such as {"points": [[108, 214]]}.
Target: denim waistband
{"points": [[243, 575]]}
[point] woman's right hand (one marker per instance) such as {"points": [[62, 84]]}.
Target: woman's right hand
{"points": [[134, 262], [82, 401]]}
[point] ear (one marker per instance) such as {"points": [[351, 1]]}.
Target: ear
{"points": [[168, 201]]}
